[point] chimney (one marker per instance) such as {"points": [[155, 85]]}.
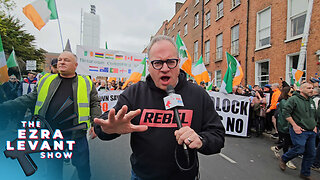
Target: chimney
{"points": [[178, 6]]}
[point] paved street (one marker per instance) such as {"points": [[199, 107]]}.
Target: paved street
{"points": [[242, 158]]}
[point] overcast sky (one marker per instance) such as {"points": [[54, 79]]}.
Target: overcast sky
{"points": [[126, 25]]}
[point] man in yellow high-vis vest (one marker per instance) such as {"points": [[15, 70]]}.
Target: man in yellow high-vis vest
{"points": [[53, 92]]}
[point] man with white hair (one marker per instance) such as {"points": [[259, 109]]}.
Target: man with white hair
{"points": [[140, 110]]}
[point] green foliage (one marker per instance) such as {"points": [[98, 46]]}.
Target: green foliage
{"points": [[13, 35]]}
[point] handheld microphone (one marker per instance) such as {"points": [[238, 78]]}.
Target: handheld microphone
{"points": [[172, 101]]}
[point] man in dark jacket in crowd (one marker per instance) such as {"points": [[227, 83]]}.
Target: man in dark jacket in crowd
{"points": [[140, 110], [300, 112], [11, 87]]}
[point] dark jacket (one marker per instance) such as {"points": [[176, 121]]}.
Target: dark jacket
{"points": [[29, 101], [11, 89], [282, 123], [153, 150], [302, 111]]}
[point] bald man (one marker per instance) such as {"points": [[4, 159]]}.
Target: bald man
{"points": [[50, 95], [300, 112]]}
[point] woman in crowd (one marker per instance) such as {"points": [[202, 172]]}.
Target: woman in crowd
{"points": [[259, 111], [283, 126]]}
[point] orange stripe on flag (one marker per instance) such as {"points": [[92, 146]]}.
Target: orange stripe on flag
{"points": [[4, 77], [237, 79], [33, 16], [187, 65], [298, 75]]}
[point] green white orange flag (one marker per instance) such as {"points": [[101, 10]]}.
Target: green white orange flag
{"points": [[137, 73], [11, 62], [40, 11], [233, 76], [4, 77], [186, 62], [200, 72], [210, 85], [296, 76]]}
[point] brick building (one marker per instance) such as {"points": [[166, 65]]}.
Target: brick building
{"points": [[265, 36]]}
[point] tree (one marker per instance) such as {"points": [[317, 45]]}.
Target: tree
{"points": [[13, 35]]}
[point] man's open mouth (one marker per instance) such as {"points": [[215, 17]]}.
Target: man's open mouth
{"points": [[165, 78]]}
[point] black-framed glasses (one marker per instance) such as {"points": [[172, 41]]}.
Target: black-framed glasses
{"points": [[158, 64]]}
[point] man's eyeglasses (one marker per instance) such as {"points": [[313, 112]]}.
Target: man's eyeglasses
{"points": [[158, 64]]}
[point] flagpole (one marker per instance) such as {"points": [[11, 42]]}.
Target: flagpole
{"points": [[59, 25]]}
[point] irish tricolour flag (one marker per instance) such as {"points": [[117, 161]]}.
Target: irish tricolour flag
{"points": [[200, 72], [3, 65], [40, 11], [233, 76], [185, 58], [296, 76], [137, 73]]}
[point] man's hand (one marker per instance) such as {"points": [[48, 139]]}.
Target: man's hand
{"points": [[189, 137], [120, 123], [92, 134], [297, 129], [268, 110], [315, 129]]}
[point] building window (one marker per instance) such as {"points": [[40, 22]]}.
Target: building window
{"points": [[196, 2], [185, 12], [217, 78], [219, 47], [262, 73], [292, 63], [179, 20], [235, 40], [173, 26], [173, 38], [206, 1], [168, 31], [219, 10], [234, 3], [207, 18], [196, 20], [185, 29], [195, 54], [207, 52], [263, 28], [297, 12]]}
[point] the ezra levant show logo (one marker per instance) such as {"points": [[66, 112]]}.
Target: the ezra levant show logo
{"points": [[37, 136]]}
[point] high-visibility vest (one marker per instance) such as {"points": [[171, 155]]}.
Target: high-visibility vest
{"points": [[83, 96]]}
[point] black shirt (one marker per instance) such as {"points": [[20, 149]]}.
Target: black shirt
{"points": [[63, 92]]}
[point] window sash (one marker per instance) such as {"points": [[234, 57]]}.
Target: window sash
{"points": [[196, 19], [235, 3], [185, 29], [220, 9], [195, 57], [207, 52], [208, 18], [218, 78]]}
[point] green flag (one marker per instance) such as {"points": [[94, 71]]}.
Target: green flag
{"points": [[11, 62], [209, 88], [52, 7]]}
